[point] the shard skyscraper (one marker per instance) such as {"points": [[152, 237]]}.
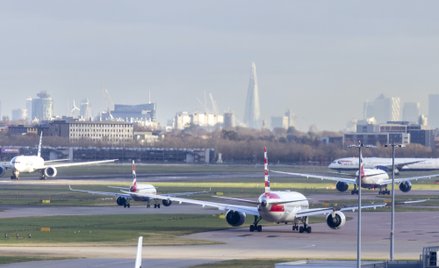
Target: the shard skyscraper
{"points": [[252, 108]]}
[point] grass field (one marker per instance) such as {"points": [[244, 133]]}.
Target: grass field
{"points": [[109, 229]]}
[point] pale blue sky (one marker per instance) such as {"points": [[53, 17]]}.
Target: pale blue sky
{"points": [[321, 59]]}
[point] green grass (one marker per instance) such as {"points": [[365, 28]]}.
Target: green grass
{"points": [[15, 259], [116, 229]]}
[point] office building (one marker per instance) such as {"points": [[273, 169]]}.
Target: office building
{"points": [[411, 111], [105, 132], [383, 109], [135, 113], [252, 107], [85, 110], [229, 120], [42, 107]]}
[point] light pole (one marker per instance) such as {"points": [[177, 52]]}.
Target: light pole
{"points": [[392, 217], [360, 162]]}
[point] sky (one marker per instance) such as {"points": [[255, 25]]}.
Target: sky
{"points": [[319, 59]]}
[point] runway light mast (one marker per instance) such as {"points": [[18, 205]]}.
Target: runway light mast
{"points": [[392, 217], [360, 163]]}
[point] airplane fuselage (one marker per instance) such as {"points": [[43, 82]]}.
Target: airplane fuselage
{"points": [[373, 178], [281, 212], [27, 163], [143, 189], [418, 164]]}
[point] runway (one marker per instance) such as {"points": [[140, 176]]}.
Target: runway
{"points": [[414, 230]]}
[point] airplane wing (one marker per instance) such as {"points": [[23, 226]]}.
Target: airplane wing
{"points": [[314, 176], [425, 177], [257, 202], [220, 206], [326, 211], [237, 199], [126, 195], [56, 160], [51, 164], [185, 193], [399, 166]]}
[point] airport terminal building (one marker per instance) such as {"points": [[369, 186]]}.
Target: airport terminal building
{"points": [[107, 132]]}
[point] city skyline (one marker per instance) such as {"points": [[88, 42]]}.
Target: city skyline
{"points": [[321, 60]]}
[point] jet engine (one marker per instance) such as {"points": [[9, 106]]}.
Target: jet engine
{"points": [[405, 186], [235, 218], [50, 172], [342, 186], [2, 170], [121, 201], [166, 202], [336, 220]]}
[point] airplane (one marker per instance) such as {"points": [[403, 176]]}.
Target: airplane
{"points": [[35, 163], [371, 178], [134, 193], [273, 206], [401, 164]]}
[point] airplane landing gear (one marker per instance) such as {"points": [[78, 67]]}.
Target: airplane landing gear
{"points": [[14, 175], [384, 192], [355, 190], [304, 228], [43, 176], [255, 226], [126, 205]]}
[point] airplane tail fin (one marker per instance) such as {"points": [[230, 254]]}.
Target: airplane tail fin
{"points": [[133, 187], [266, 178], [39, 144], [139, 253]]}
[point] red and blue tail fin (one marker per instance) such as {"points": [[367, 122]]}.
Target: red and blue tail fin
{"points": [[266, 178], [133, 187]]}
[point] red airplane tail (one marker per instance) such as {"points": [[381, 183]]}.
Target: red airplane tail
{"points": [[266, 178]]}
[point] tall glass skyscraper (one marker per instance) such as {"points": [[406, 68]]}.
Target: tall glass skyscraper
{"points": [[252, 107], [42, 107]]}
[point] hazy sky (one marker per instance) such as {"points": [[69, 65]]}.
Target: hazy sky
{"points": [[321, 59]]}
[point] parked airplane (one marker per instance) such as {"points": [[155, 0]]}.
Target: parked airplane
{"points": [[273, 206], [401, 164], [35, 163], [371, 178], [135, 192]]}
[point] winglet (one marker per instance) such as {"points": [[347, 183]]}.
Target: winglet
{"points": [[266, 178], [39, 144], [139, 253]]}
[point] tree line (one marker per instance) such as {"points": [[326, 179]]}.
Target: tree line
{"points": [[244, 145]]}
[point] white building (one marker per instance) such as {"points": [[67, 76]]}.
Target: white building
{"points": [[182, 120]]}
